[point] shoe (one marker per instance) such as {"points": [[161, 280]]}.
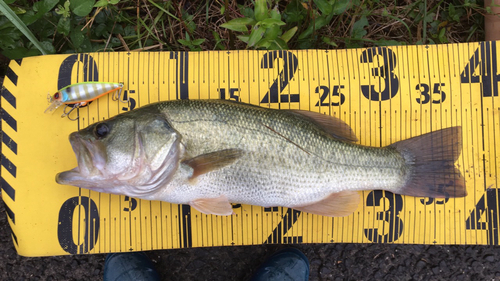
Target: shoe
{"points": [[287, 264], [129, 267]]}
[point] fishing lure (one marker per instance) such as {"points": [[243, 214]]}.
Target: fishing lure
{"points": [[80, 94]]}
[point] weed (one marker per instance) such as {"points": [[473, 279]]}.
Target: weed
{"points": [[67, 26]]}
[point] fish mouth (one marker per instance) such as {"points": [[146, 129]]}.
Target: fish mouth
{"points": [[91, 163]]}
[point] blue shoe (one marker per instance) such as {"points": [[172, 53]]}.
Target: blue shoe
{"points": [[129, 267], [287, 264]]}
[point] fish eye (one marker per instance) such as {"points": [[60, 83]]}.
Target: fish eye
{"points": [[101, 130], [56, 95]]}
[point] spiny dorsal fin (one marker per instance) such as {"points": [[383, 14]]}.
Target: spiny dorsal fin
{"points": [[332, 125], [212, 161], [340, 204]]}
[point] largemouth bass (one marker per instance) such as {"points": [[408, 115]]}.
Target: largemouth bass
{"points": [[210, 153]]}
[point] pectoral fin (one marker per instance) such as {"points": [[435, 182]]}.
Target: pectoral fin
{"points": [[212, 161], [339, 204], [213, 206]]}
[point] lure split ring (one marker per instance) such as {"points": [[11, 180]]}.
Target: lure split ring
{"points": [[80, 94]]}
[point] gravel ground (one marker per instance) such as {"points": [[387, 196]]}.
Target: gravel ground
{"points": [[328, 262]]}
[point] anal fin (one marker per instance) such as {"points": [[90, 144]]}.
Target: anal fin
{"points": [[339, 204], [213, 206]]}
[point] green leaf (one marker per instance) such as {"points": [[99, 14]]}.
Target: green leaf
{"points": [[184, 42], [82, 8], [239, 24], [63, 26], [246, 11], [64, 11], [318, 23], [329, 41], [114, 2], [442, 36], [20, 52], [244, 38], [198, 41], [278, 45], [9, 35], [14, 19], [273, 32], [18, 10], [324, 7], [48, 47], [341, 6], [289, 34], [101, 3], [260, 10], [294, 12], [256, 36], [264, 44], [269, 22], [275, 14], [77, 36], [40, 8], [101, 29], [358, 28]]}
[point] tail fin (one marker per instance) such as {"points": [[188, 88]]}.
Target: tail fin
{"points": [[431, 159]]}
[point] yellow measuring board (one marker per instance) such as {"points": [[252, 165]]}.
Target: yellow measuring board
{"points": [[385, 94]]}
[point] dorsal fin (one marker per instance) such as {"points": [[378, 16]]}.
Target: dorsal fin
{"points": [[332, 125]]}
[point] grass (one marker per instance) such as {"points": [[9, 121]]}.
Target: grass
{"points": [[67, 26]]}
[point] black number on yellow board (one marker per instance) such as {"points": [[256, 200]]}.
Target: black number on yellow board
{"points": [[71, 210], [290, 64], [438, 95], [430, 200], [485, 215], [131, 101], [385, 72], [326, 94], [290, 217], [482, 68], [232, 94], [132, 204], [86, 62], [391, 231]]}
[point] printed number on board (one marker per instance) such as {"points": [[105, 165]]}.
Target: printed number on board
{"points": [[78, 227], [485, 62], [233, 94], [485, 216], [437, 96], [290, 64], [391, 227], [385, 72], [279, 232], [336, 99]]}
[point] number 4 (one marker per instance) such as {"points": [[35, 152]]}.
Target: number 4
{"points": [[485, 57]]}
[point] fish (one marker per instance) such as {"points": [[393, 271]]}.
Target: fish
{"points": [[211, 153]]}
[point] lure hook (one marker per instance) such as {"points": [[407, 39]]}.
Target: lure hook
{"points": [[66, 112], [117, 95]]}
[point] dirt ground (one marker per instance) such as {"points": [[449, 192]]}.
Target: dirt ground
{"points": [[328, 262]]}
